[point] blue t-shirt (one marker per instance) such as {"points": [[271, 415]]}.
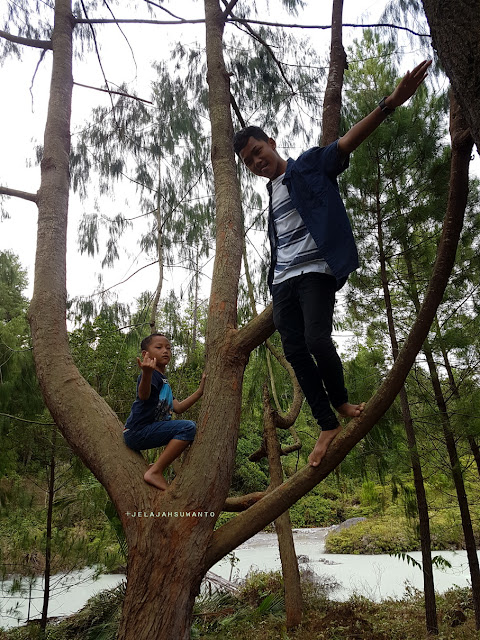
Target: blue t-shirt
{"points": [[157, 408]]}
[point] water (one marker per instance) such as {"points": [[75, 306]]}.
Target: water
{"points": [[376, 576], [69, 593]]}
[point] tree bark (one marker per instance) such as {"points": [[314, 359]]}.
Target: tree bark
{"points": [[424, 522], [455, 29], [158, 217], [332, 100], [48, 543], [283, 525]]}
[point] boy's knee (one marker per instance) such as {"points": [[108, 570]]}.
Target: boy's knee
{"points": [[190, 430]]}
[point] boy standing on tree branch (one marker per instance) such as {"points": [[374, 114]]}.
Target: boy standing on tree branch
{"points": [[313, 252]]}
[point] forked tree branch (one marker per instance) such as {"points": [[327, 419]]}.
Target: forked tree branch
{"points": [[229, 6]]}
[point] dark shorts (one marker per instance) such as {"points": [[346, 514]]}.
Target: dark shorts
{"points": [[159, 434]]}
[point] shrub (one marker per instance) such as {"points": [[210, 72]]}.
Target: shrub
{"points": [[373, 536]]}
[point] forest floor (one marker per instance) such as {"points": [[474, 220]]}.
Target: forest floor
{"points": [[259, 613]]}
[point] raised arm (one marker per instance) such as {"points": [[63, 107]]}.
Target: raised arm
{"points": [[403, 91], [180, 407], [148, 367]]}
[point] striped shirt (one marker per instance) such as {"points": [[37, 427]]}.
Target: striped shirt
{"points": [[297, 251]]}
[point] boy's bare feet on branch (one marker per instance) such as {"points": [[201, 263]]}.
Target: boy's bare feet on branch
{"points": [[347, 410], [323, 442], [156, 479]]}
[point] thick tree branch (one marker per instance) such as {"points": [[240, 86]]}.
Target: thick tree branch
{"points": [[29, 42], [240, 503], [273, 504], [5, 191], [262, 452], [250, 336]]}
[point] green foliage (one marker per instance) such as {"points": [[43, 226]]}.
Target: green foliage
{"points": [[106, 358], [314, 511], [382, 535]]}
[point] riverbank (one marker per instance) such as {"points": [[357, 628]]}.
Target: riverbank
{"points": [[343, 577], [258, 612]]}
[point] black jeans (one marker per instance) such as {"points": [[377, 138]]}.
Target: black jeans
{"points": [[303, 314]]}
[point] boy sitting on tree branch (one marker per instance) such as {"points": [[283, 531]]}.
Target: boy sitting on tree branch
{"points": [[150, 423]]}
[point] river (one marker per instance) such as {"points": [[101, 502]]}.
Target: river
{"points": [[375, 576]]}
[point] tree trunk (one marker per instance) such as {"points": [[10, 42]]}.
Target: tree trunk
{"points": [[455, 29], [283, 525], [470, 544], [474, 448], [158, 217], [48, 542], [424, 522], [332, 99]]}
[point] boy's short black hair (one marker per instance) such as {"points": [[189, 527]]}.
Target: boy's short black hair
{"points": [[240, 139], [146, 341]]}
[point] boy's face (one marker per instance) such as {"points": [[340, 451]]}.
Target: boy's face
{"points": [[261, 157], [160, 349]]}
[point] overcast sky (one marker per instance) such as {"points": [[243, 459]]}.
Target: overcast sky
{"points": [[22, 120]]}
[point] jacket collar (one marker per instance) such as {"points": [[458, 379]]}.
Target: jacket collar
{"points": [[290, 163]]}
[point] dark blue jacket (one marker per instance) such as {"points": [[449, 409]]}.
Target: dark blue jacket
{"points": [[311, 181]]}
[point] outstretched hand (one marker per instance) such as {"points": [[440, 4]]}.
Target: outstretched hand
{"points": [[409, 84], [148, 363]]}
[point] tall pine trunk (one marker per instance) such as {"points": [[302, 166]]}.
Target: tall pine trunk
{"points": [[461, 149], [424, 522]]}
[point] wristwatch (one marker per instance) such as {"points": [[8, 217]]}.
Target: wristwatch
{"points": [[385, 109]]}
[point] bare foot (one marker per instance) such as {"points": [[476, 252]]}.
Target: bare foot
{"points": [[347, 410], [320, 449], [155, 479]]}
